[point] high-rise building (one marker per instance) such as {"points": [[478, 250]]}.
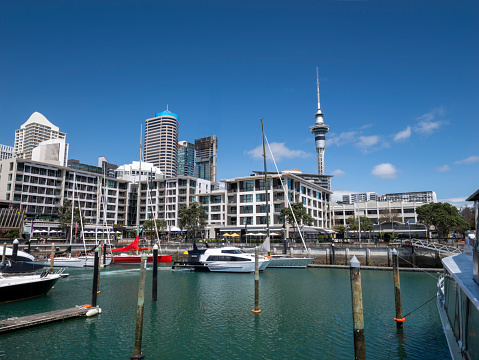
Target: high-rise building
{"points": [[319, 129], [35, 130], [205, 158], [6, 152], [161, 142], [186, 158]]}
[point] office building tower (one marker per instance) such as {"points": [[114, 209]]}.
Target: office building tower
{"points": [[161, 142], [415, 196], [35, 130], [319, 129], [205, 158], [6, 152], [186, 158]]}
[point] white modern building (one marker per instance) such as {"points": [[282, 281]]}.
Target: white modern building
{"points": [[35, 130], [131, 172], [6, 152], [241, 207]]}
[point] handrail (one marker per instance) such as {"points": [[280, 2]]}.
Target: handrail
{"points": [[436, 246]]}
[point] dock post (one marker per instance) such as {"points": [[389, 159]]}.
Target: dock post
{"points": [[94, 290], [389, 257], [327, 257], [104, 254], [99, 269], [155, 273], [357, 302], [4, 251], [346, 256], [52, 257], [178, 253], [333, 254], [368, 257], [256, 282], [139, 312], [397, 291], [15, 250]]}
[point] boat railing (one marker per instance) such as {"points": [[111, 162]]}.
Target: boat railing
{"points": [[440, 289], [436, 246]]}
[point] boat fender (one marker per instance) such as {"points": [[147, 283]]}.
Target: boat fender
{"points": [[87, 306], [92, 312], [399, 320]]}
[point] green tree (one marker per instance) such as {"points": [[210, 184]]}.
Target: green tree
{"points": [[366, 223], [65, 218], [301, 215], [12, 234], [192, 218], [468, 215], [443, 216], [340, 230]]}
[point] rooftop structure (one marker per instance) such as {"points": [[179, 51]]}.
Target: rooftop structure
{"points": [[35, 130]]}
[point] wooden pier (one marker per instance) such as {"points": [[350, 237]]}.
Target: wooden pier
{"points": [[24, 322]]}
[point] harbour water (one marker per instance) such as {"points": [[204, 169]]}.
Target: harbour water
{"points": [[306, 314]]}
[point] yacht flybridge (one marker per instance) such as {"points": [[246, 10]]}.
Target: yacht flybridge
{"points": [[224, 259]]}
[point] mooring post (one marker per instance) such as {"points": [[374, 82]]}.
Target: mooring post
{"points": [[327, 260], [346, 256], [368, 257], [99, 269], [178, 253], [155, 273], [357, 302], [52, 257], [4, 251], [389, 257], [94, 290], [285, 246], [333, 254], [397, 291], [139, 312], [256, 282], [104, 254], [15, 250]]}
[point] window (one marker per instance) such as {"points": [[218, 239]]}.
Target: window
{"points": [[247, 209], [247, 220], [248, 185], [261, 197], [247, 198], [277, 207]]}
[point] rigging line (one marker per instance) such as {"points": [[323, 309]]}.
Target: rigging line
{"points": [[254, 147], [431, 299], [417, 267], [286, 192]]}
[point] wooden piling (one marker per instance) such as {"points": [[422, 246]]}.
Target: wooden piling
{"points": [[256, 282], [94, 291], [139, 312], [333, 254], [368, 257], [52, 257], [357, 303], [346, 256], [154, 287], [328, 257], [397, 291], [99, 269]]}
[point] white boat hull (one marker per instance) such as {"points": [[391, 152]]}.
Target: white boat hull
{"points": [[233, 266], [289, 262], [90, 261], [65, 262]]}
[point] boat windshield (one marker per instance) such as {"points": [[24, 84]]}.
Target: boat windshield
{"points": [[231, 251]]}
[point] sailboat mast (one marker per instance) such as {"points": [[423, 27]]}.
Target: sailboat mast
{"points": [[138, 193], [266, 192]]}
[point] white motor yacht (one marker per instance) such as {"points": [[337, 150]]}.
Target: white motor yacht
{"points": [[224, 259]]}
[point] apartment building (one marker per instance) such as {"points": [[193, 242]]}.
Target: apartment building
{"points": [[241, 207], [40, 189]]}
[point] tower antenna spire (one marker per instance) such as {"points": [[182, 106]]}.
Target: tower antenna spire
{"points": [[317, 87]]}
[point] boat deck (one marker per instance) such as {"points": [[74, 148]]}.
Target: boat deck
{"points": [[460, 268], [14, 324]]}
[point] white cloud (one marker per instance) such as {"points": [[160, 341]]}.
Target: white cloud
{"points": [[366, 142], [279, 150], [428, 123], [338, 172], [338, 194], [469, 160], [403, 135], [341, 139], [385, 171], [443, 168], [457, 202]]}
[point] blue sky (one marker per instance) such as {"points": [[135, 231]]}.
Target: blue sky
{"points": [[399, 81]]}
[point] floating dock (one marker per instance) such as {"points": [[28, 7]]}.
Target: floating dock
{"points": [[24, 322], [383, 268]]}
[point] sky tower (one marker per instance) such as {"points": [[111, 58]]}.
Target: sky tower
{"points": [[319, 129]]}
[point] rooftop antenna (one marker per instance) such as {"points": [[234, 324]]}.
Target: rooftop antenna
{"points": [[167, 107], [317, 86]]}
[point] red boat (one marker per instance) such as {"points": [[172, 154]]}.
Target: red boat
{"points": [[125, 258]]}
